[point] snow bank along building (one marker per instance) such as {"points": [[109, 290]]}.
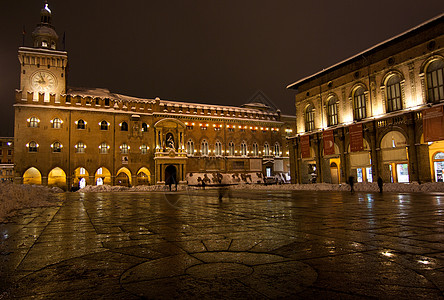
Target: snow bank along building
{"points": [[378, 113], [73, 137]]}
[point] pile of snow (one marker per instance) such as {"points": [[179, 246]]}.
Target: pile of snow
{"points": [[241, 185], [138, 188], [16, 196], [359, 187], [216, 178]]}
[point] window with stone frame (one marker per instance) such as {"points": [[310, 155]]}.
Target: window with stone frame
{"points": [[332, 111], [104, 125], [435, 81], [393, 88], [244, 150], [143, 149], [190, 147], [218, 149], [266, 149], [255, 149], [204, 148], [124, 126], [309, 118], [231, 149], [56, 123], [34, 122], [32, 146], [359, 105], [56, 147], [80, 147], [124, 148], [277, 149], [81, 124], [103, 148]]}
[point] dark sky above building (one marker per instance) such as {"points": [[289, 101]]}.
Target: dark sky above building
{"points": [[205, 51]]}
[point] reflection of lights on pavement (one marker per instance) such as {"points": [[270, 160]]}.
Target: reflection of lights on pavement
{"points": [[424, 262], [386, 253]]}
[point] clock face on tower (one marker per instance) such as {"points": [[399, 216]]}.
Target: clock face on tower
{"points": [[42, 81]]}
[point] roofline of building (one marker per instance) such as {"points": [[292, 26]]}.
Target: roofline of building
{"points": [[366, 52]]}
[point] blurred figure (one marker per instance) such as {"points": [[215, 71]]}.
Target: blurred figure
{"points": [[351, 182], [380, 184]]}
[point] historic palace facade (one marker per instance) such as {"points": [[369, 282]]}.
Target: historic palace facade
{"points": [[378, 113], [76, 137]]}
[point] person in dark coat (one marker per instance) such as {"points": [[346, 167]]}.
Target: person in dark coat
{"points": [[380, 184], [351, 182]]}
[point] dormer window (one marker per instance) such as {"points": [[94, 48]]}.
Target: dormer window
{"points": [[45, 44]]}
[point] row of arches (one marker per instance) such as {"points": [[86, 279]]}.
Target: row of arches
{"points": [[82, 177]]}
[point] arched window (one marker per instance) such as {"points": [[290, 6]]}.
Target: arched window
{"points": [[144, 127], [124, 148], [32, 146], [277, 149], [190, 147], [435, 81], [81, 124], [218, 148], [103, 148], [104, 125], [266, 149], [204, 148], [309, 118], [255, 149], [393, 87], [332, 111], [359, 107], [56, 123], [56, 147], [80, 147], [124, 126], [231, 149], [144, 149], [243, 149], [33, 122]]}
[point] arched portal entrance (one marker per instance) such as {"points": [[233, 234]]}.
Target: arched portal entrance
{"points": [[80, 178], [395, 158], [143, 176], [123, 177], [32, 176], [170, 175], [57, 177], [102, 176]]}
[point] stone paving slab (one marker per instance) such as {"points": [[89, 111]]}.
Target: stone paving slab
{"points": [[252, 245]]}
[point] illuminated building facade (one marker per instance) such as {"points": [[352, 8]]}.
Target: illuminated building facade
{"points": [[72, 137], [6, 159], [378, 113]]}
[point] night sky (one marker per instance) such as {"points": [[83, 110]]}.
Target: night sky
{"points": [[216, 52]]}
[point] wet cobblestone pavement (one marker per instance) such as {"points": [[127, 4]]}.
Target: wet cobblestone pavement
{"points": [[252, 245]]}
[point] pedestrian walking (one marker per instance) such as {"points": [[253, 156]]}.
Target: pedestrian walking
{"points": [[351, 182], [380, 184]]}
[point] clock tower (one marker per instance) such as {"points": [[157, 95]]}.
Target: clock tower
{"points": [[43, 66]]}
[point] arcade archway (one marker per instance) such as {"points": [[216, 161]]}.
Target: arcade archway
{"points": [[102, 176], [32, 176], [143, 176], [123, 177], [57, 177]]}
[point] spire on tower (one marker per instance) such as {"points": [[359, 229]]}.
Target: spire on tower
{"points": [[44, 35]]}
